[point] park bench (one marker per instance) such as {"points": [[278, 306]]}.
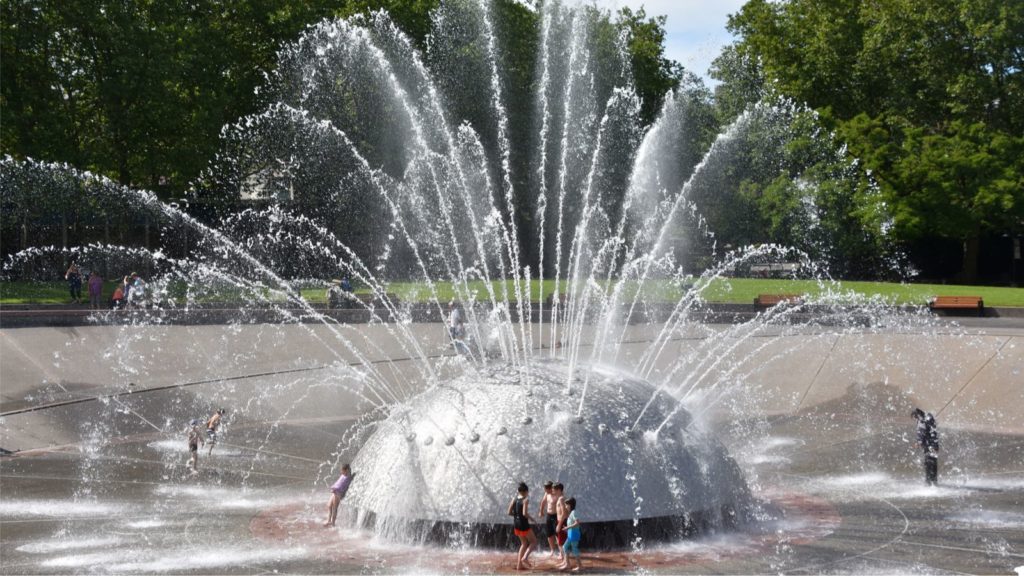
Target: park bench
{"points": [[361, 300], [563, 299], [958, 303], [769, 300], [774, 269]]}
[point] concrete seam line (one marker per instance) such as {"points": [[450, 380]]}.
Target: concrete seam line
{"points": [[974, 376], [818, 372], [196, 383], [224, 379]]}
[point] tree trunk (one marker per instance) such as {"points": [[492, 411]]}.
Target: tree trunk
{"points": [[106, 241], [26, 268], [969, 272]]}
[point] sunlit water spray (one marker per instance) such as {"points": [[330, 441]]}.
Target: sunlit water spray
{"points": [[610, 383]]}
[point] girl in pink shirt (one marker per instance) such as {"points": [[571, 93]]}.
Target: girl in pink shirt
{"points": [[338, 490]]}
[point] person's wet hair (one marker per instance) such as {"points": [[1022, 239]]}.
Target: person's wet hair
{"points": [[548, 484], [346, 467], [917, 413], [558, 486], [571, 503], [523, 487]]}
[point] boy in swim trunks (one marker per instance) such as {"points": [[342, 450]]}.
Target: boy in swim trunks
{"points": [[561, 514], [548, 513], [338, 490], [211, 428], [572, 539], [195, 438]]}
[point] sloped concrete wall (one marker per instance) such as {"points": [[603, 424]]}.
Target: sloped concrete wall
{"points": [[972, 380]]}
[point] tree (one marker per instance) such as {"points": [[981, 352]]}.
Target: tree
{"points": [[928, 96], [654, 74], [136, 90]]}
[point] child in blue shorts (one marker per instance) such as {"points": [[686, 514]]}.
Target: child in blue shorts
{"points": [[572, 540]]}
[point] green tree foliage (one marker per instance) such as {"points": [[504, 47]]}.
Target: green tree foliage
{"points": [[412, 16], [136, 90], [146, 93], [654, 74], [930, 96]]}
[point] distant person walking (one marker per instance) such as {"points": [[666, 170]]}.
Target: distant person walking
{"points": [[519, 510], [335, 295], [117, 300], [95, 290], [338, 490], [548, 512], [195, 439], [572, 537], [457, 328], [928, 441], [74, 279], [211, 428], [136, 291]]}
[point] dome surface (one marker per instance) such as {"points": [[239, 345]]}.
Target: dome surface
{"points": [[456, 452]]}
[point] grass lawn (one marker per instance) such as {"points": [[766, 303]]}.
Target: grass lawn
{"points": [[731, 290]]}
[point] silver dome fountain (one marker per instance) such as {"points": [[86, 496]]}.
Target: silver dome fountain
{"points": [[442, 465], [573, 370]]}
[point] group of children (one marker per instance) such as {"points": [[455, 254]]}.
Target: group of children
{"points": [[561, 525], [195, 440], [129, 293], [195, 437]]}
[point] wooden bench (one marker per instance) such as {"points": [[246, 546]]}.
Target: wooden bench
{"points": [[360, 300], [958, 303], [563, 299], [769, 300]]}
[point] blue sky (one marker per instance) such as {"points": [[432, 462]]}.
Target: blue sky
{"points": [[695, 29]]}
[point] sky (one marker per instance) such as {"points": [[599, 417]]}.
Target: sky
{"points": [[695, 29]]}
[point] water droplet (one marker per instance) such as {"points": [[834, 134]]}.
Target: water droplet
{"points": [[449, 441], [502, 431], [428, 440], [474, 438], [527, 420]]}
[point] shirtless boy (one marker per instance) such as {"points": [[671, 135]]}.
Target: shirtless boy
{"points": [[548, 513], [211, 428]]}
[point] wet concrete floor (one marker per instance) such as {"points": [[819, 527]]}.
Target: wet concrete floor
{"points": [[101, 486], [844, 473]]}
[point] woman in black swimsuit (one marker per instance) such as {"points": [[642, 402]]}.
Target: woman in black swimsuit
{"points": [[519, 510]]}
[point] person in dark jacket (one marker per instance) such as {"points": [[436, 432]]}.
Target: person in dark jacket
{"points": [[928, 441], [74, 278]]}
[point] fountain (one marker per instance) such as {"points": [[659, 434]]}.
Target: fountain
{"points": [[589, 356], [655, 479]]}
